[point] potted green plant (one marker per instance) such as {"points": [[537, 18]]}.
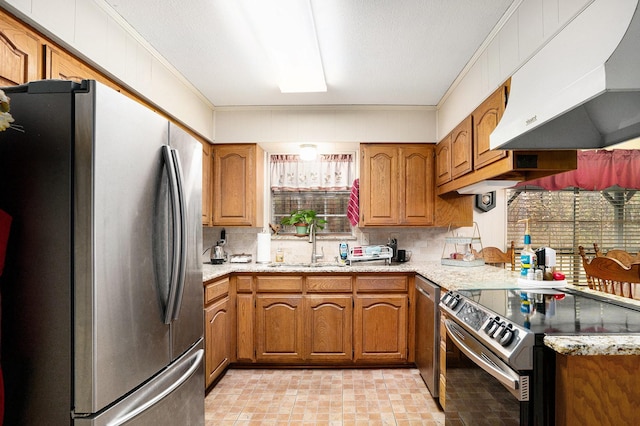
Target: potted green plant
{"points": [[302, 219]]}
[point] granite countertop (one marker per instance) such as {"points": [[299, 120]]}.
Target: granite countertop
{"points": [[449, 277], [455, 278]]}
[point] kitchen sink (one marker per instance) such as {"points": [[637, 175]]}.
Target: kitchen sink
{"points": [[306, 265]]}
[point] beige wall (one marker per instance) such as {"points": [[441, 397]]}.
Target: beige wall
{"points": [[90, 29]]}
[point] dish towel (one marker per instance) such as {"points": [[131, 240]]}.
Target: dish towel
{"points": [[353, 208]]}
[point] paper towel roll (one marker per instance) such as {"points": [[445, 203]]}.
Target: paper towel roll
{"points": [[264, 248]]}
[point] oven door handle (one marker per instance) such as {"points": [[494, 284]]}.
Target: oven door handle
{"points": [[475, 350]]}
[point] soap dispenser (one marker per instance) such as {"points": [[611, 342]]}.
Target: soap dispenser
{"points": [[527, 256]]}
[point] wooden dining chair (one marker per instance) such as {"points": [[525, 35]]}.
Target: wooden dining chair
{"points": [[623, 256], [609, 275], [495, 256]]}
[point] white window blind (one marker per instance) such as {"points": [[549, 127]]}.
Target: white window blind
{"points": [[566, 219]]}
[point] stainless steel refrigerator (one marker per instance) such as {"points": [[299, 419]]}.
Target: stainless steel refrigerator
{"points": [[102, 289]]}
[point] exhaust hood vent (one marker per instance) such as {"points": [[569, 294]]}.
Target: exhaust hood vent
{"points": [[582, 89]]}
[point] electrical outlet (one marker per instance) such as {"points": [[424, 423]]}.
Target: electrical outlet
{"points": [[365, 239]]}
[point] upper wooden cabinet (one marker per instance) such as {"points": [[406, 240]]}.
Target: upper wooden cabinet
{"points": [[461, 147], [238, 185], [485, 119], [20, 53], [464, 156], [62, 66], [454, 156], [397, 184], [207, 182], [443, 160]]}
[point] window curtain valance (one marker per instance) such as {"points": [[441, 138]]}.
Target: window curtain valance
{"points": [[333, 172], [597, 170]]}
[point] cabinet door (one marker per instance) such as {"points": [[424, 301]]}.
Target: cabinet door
{"points": [[381, 327], [19, 53], [244, 327], [443, 160], [279, 328], [461, 148], [485, 119], [217, 338], [237, 197], [328, 328], [207, 190], [61, 65], [379, 185], [417, 187]]}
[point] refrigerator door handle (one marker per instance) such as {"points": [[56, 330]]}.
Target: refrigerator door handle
{"points": [[177, 301], [157, 393], [178, 231]]}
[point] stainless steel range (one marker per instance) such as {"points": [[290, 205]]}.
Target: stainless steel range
{"points": [[499, 370]]}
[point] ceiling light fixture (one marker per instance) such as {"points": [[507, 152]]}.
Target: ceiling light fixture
{"points": [[287, 31], [308, 152]]}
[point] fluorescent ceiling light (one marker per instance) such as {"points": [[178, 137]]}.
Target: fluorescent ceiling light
{"points": [[287, 31], [487, 186]]}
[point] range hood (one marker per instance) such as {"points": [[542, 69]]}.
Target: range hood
{"points": [[582, 89]]}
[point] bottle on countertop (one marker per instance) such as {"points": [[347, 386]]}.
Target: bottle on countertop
{"points": [[344, 250], [527, 256]]}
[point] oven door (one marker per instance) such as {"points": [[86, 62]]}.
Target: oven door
{"points": [[481, 389]]}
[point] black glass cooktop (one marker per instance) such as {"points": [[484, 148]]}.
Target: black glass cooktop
{"points": [[559, 312]]}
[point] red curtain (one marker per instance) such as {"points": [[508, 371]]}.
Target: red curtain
{"points": [[597, 170]]}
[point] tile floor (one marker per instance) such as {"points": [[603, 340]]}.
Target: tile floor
{"points": [[321, 397]]}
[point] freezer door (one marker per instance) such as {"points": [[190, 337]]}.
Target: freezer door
{"points": [[120, 337], [187, 324], [174, 397]]}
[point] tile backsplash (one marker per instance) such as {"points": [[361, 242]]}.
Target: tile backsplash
{"points": [[425, 243]]}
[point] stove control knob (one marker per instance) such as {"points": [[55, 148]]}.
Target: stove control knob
{"points": [[498, 331], [507, 336], [446, 297], [493, 326], [454, 301], [497, 334], [487, 327]]}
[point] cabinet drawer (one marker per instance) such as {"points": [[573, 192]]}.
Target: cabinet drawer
{"points": [[279, 284], [377, 283], [329, 284], [244, 284], [216, 289]]}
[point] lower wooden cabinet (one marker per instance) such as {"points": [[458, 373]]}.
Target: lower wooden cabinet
{"points": [[321, 319], [381, 327], [279, 328], [328, 328], [217, 328], [217, 338], [245, 346], [597, 389]]}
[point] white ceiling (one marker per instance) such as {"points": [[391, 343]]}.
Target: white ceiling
{"points": [[374, 52]]}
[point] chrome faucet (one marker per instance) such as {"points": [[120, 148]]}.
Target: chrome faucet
{"points": [[312, 240]]}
